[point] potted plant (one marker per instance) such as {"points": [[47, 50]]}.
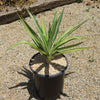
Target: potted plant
{"points": [[50, 59]]}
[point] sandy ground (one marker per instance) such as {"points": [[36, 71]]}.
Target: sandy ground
{"points": [[82, 80]]}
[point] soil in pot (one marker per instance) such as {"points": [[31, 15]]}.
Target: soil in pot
{"points": [[40, 66]]}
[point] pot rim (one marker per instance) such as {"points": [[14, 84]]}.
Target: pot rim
{"points": [[53, 75]]}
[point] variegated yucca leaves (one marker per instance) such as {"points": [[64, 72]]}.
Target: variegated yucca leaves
{"points": [[47, 43]]}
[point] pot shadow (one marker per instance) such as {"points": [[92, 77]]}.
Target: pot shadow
{"points": [[30, 86]]}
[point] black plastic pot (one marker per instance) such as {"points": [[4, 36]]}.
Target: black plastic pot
{"points": [[49, 87]]}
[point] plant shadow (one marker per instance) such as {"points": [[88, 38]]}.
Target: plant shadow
{"points": [[30, 86]]}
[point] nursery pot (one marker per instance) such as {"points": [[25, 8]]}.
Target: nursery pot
{"points": [[49, 87]]}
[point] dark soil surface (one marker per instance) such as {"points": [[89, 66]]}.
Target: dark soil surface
{"points": [[13, 3]]}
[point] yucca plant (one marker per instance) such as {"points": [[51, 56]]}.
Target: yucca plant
{"points": [[47, 43]]}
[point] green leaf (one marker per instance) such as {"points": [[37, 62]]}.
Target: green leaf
{"points": [[71, 50], [52, 29], [51, 26], [35, 22], [44, 42], [69, 46], [70, 39], [63, 35], [54, 20], [58, 24], [43, 29], [50, 40], [55, 29], [65, 41], [33, 35], [69, 31], [49, 31], [26, 42], [22, 42]]}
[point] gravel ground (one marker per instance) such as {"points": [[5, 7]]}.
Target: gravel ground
{"points": [[82, 81]]}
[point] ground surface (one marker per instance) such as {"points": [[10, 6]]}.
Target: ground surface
{"points": [[84, 81]]}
